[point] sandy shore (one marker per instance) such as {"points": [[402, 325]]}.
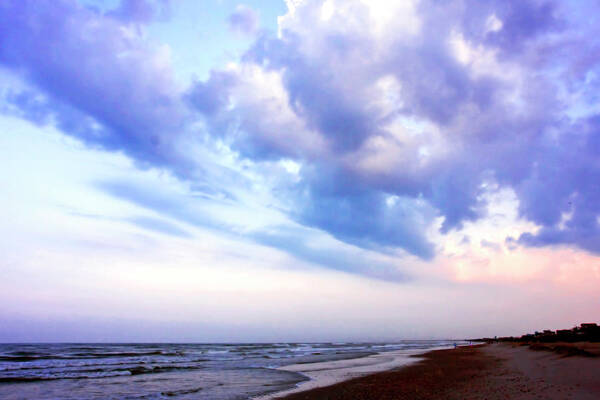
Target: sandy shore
{"points": [[492, 372], [331, 372]]}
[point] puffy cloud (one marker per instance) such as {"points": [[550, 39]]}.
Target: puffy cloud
{"points": [[425, 102], [396, 114], [235, 97]]}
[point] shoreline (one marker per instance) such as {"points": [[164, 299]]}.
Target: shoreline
{"points": [[327, 373], [486, 371]]}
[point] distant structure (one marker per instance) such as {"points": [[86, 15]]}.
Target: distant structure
{"points": [[587, 332]]}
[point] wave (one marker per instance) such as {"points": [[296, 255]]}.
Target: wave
{"points": [[172, 393], [99, 373], [23, 379], [79, 356]]}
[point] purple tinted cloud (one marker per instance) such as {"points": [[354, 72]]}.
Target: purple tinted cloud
{"points": [[159, 225], [532, 145], [103, 83], [355, 213], [293, 241], [523, 22], [244, 20], [330, 94], [141, 10]]}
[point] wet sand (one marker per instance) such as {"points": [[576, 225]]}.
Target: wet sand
{"points": [[492, 372], [327, 373]]}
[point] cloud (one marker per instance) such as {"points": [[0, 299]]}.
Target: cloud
{"points": [[244, 20], [96, 75], [162, 202], [296, 241], [159, 225], [427, 103], [331, 201], [523, 22], [397, 114], [141, 10]]}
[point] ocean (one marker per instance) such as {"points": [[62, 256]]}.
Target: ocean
{"points": [[168, 371]]}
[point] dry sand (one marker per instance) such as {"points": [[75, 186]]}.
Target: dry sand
{"points": [[543, 374], [492, 372]]}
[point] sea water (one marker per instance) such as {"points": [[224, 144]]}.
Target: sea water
{"points": [[165, 371]]}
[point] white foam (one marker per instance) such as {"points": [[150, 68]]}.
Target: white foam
{"points": [[327, 373]]}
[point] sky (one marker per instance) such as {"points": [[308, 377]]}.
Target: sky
{"points": [[298, 170]]}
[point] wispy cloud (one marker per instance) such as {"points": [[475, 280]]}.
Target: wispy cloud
{"points": [[397, 116], [295, 241]]}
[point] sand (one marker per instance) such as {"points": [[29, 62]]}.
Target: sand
{"points": [[328, 373], [492, 372], [544, 374]]}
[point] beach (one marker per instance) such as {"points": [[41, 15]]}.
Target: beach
{"points": [[198, 371], [328, 373], [493, 371]]}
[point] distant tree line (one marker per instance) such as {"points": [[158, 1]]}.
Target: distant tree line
{"points": [[589, 332]]}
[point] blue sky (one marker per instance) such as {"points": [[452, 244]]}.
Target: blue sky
{"points": [[304, 170]]}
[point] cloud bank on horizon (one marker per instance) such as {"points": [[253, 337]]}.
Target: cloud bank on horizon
{"points": [[387, 125]]}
